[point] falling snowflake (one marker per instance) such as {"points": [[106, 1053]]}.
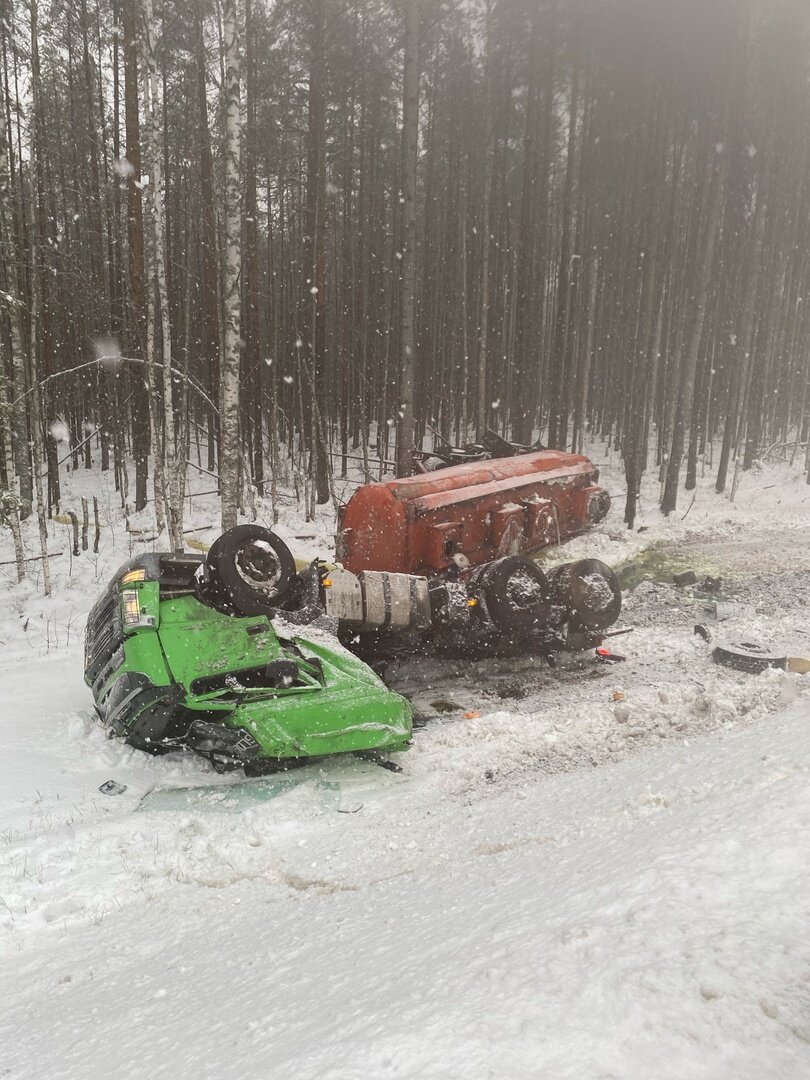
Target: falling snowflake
{"points": [[108, 352], [59, 431]]}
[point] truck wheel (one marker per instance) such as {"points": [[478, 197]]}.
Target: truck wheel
{"points": [[517, 594], [250, 568], [747, 656], [590, 592]]}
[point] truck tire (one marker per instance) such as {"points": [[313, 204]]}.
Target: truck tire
{"points": [[590, 592], [748, 656], [517, 594], [250, 569]]}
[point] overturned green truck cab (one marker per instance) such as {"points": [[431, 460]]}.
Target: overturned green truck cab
{"points": [[183, 652]]}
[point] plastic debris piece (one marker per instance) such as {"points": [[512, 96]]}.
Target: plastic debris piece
{"points": [[608, 656], [112, 787], [688, 577]]}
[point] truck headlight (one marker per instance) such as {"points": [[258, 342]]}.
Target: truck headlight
{"points": [[131, 610]]}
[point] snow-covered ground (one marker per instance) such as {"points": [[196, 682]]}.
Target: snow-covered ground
{"points": [[602, 875]]}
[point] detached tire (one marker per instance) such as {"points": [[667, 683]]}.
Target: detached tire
{"points": [[517, 594], [747, 656], [250, 568]]}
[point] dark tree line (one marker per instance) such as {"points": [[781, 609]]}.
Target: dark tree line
{"points": [[271, 238]]}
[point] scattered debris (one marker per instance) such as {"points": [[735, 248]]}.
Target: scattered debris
{"points": [[472, 714], [619, 695], [607, 656], [703, 631], [799, 665], [112, 787], [686, 577], [445, 706], [492, 445], [748, 656]]}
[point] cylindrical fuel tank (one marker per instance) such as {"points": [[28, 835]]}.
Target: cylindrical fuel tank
{"points": [[484, 509]]}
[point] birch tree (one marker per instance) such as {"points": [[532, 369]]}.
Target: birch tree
{"points": [[229, 410], [172, 469], [37, 454]]}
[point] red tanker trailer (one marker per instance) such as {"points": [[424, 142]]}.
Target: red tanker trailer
{"points": [[483, 511]]}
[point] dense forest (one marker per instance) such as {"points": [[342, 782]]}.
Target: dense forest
{"points": [[274, 240]]}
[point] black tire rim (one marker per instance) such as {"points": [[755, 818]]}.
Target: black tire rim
{"points": [[258, 565]]}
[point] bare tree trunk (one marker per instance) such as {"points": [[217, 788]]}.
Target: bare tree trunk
{"points": [[251, 322], [482, 409], [687, 381], [558, 416], [12, 415], [132, 171], [208, 244], [171, 466], [229, 412], [410, 131], [158, 475], [38, 455], [314, 299], [14, 411], [527, 323]]}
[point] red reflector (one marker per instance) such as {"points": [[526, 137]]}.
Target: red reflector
{"points": [[602, 651]]}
